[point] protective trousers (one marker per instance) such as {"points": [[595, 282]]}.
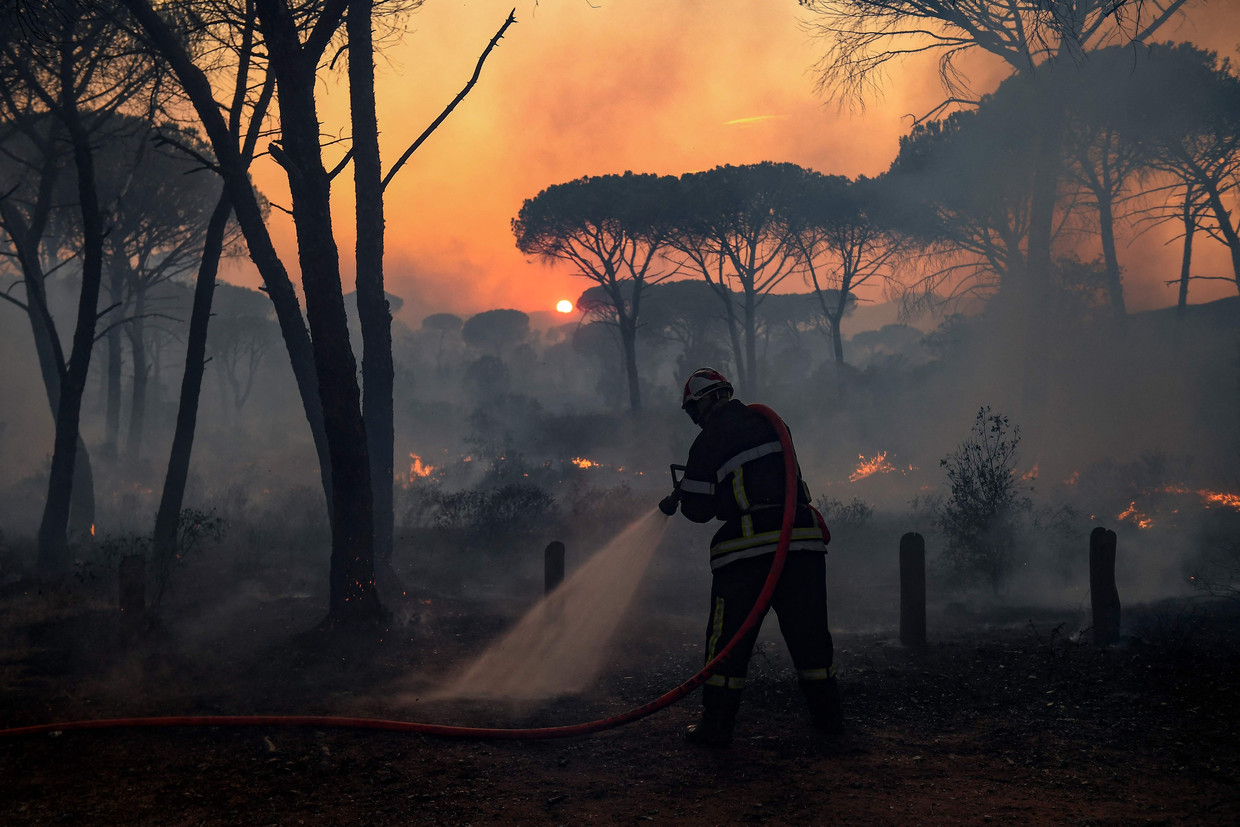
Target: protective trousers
{"points": [[800, 603]]}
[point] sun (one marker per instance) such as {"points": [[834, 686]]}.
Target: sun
{"points": [[564, 306]]}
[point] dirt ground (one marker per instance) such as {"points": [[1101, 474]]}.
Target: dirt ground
{"points": [[1000, 720]]}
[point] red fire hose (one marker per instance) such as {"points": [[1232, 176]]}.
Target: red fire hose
{"points": [[497, 733]]}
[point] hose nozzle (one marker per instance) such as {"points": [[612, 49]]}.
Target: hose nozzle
{"points": [[669, 503]]}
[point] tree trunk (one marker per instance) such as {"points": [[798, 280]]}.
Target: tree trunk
{"points": [[1186, 261], [1035, 294], [734, 336], [352, 588], [172, 499], [82, 498], [112, 416], [51, 360], [1230, 236], [53, 529], [628, 340], [155, 385], [235, 171], [1115, 288], [137, 399], [837, 338], [374, 314], [753, 386]]}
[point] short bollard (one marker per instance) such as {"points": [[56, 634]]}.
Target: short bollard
{"points": [[1103, 594], [132, 577], [553, 566], [913, 590]]}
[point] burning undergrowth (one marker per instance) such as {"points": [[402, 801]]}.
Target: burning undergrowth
{"points": [[1001, 530], [483, 521]]}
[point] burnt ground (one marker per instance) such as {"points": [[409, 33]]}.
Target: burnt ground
{"points": [[1002, 719]]}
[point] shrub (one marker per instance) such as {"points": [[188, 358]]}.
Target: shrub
{"points": [[981, 516], [195, 530], [844, 517], [1215, 571], [485, 518]]}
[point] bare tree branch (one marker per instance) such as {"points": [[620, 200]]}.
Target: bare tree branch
{"points": [[512, 18]]}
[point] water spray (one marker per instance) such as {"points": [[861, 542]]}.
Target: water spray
{"points": [[498, 733]]}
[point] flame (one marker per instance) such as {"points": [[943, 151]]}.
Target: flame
{"points": [[92, 529], [1031, 474], [1137, 518], [1208, 498], [1072, 480], [582, 462], [418, 468], [1220, 498], [869, 467]]}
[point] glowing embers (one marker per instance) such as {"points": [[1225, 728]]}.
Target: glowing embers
{"points": [[418, 468], [582, 462]]}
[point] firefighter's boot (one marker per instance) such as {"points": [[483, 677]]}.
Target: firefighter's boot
{"points": [[823, 699], [719, 708]]}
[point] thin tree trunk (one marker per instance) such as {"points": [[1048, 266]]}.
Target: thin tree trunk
{"points": [[1115, 287], [837, 336], [112, 417], [628, 340], [1230, 236], [51, 360], [235, 172], [738, 350], [1037, 276], [172, 499], [137, 399], [82, 499], [53, 529], [374, 314], [1186, 260], [751, 345]]}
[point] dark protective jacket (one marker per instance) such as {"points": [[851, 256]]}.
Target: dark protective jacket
{"points": [[735, 473]]}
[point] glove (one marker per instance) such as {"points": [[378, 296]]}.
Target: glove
{"points": [[668, 504]]}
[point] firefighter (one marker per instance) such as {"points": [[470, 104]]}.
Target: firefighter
{"points": [[735, 473]]}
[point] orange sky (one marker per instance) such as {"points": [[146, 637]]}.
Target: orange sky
{"points": [[589, 87]]}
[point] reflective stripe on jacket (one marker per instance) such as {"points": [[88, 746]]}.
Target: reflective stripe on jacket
{"points": [[735, 473]]}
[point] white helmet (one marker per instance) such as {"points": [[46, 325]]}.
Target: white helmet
{"points": [[702, 383]]}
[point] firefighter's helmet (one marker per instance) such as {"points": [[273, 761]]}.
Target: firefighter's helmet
{"points": [[702, 383]]}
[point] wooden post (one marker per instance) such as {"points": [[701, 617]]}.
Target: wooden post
{"points": [[553, 566], [913, 590], [1103, 594], [132, 577]]}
